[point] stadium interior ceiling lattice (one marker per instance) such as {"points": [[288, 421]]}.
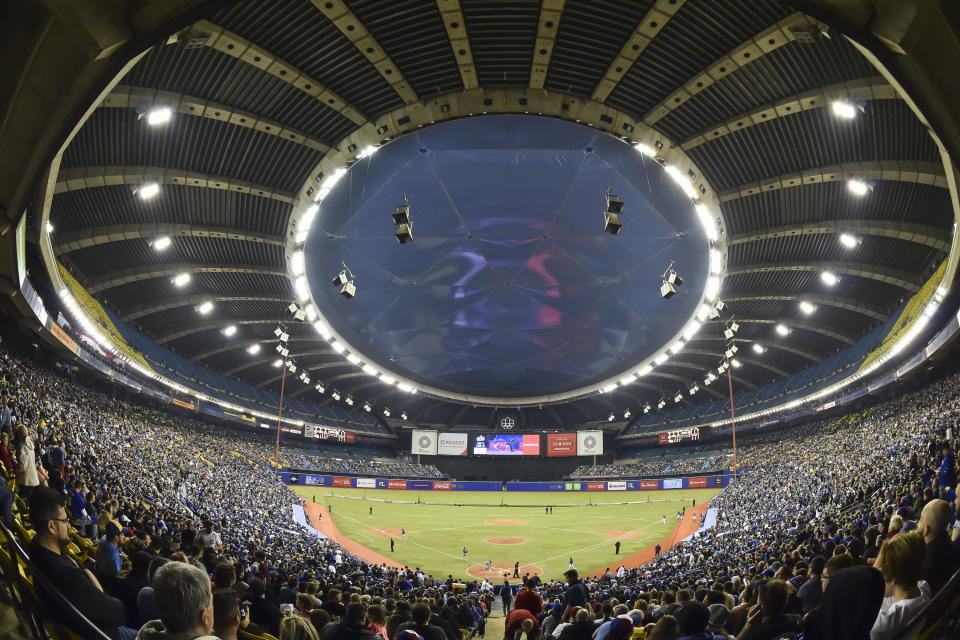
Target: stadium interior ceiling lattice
{"points": [[744, 88]]}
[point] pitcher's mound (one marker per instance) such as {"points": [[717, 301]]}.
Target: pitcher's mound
{"points": [[495, 573], [505, 540], [622, 534], [386, 533], [506, 522]]}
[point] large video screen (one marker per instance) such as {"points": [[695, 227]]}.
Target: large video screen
{"points": [[507, 444]]}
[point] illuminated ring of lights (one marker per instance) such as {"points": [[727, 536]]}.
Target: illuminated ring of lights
{"points": [[365, 141]]}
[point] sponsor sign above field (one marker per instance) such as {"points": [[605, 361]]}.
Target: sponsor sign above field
{"points": [[366, 483], [673, 483], [423, 443], [452, 444], [561, 444], [589, 443], [678, 435], [618, 485]]}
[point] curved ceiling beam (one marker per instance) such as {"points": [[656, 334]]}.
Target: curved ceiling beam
{"points": [[350, 26], [102, 176], [649, 26], [859, 91], [138, 274], [550, 13], [926, 235], [143, 99], [804, 326], [763, 365], [144, 310], [237, 344], [903, 279], [270, 357], [452, 17], [207, 326], [700, 369], [839, 302], [205, 33], [311, 370], [803, 353], [914, 171], [74, 240], [767, 41]]}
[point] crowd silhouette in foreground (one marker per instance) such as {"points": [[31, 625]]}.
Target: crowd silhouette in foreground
{"points": [[842, 528]]}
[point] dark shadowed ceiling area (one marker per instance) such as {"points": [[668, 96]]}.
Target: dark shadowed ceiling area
{"points": [[510, 286]]}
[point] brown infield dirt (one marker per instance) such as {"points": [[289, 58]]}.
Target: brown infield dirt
{"points": [[505, 540], [385, 533], [499, 568], [506, 522]]}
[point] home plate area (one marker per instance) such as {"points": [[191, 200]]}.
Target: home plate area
{"points": [[498, 569]]}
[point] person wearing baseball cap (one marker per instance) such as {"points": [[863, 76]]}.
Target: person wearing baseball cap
{"points": [[108, 554]]}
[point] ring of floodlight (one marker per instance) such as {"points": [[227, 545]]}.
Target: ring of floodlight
{"points": [[407, 119]]}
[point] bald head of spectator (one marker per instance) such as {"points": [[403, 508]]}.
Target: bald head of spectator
{"points": [[934, 519]]}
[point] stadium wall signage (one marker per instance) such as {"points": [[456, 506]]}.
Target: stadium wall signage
{"points": [[701, 482]]}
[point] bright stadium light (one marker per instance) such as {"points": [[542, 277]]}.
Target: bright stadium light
{"points": [[181, 279], [162, 243], [783, 329], [758, 348], [158, 116], [857, 187], [149, 190], [253, 349], [806, 307], [844, 109], [205, 308], [278, 363], [230, 330], [829, 278], [849, 241]]}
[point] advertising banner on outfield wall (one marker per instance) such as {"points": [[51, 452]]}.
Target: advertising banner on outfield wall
{"points": [[342, 482], [561, 444], [366, 483], [596, 486], [642, 485], [452, 444], [319, 481], [423, 485], [396, 484], [423, 443], [571, 486], [477, 485], [442, 486], [589, 443], [673, 483], [696, 483], [618, 485]]}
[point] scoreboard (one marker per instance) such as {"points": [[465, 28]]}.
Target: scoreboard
{"points": [[679, 435]]}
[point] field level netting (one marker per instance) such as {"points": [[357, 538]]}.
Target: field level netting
{"points": [[503, 528]]}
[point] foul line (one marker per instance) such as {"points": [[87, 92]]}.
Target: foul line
{"points": [[389, 535]]}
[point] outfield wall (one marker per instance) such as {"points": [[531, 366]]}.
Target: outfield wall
{"points": [[657, 484]]}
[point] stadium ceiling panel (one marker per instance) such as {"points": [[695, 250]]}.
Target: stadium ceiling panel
{"points": [[843, 208]]}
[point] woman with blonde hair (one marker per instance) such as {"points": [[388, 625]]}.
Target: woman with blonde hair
{"points": [[297, 628], [665, 629], [899, 561]]}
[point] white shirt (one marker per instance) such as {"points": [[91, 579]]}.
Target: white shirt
{"points": [[894, 614]]}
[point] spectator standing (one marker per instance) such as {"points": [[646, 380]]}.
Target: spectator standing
{"points": [[528, 599], [939, 559], [575, 595], [27, 476]]}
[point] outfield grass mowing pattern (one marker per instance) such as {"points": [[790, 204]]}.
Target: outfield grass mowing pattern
{"points": [[442, 523]]}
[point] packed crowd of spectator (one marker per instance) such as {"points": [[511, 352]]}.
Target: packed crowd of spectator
{"points": [[837, 529], [326, 463], [711, 461]]}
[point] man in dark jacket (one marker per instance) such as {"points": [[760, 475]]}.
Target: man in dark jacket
{"points": [[79, 586], [352, 627], [420, 612]]}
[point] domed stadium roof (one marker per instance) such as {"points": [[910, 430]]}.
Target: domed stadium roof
{"points": [[828, 194]]}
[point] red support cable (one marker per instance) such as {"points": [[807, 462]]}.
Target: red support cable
{"points": [[283, 380], [733, 422]]}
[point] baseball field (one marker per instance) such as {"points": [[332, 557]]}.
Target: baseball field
{"points": [[430, 529]]}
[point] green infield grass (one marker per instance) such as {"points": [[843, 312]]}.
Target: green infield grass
{"points": [[506, 527]]}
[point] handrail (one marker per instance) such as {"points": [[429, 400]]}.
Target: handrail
{"points": [[86, 628]]}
